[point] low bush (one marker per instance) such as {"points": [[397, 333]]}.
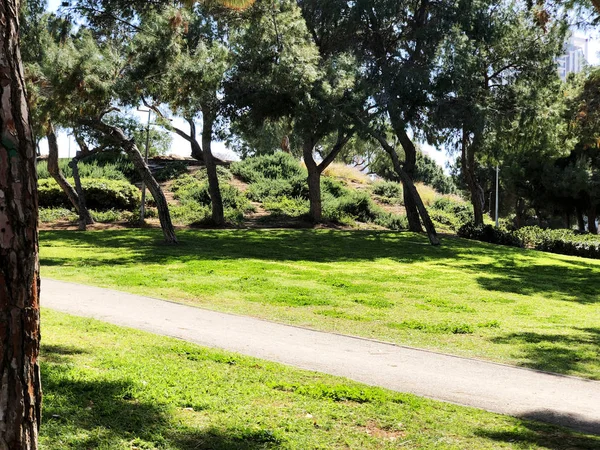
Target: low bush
{"points": [[189, 189], [279, 165], [451, 213], [109, 216], [293, 207], [117, 168], [489, 233], [100, 194], [392, 221], [388, 189], [563, 241], [264, 188], [55, 214], [189, 213]]}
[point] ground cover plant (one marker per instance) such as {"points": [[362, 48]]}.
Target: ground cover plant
{"points": [[505, 304], [561, 241], [107, 387]]}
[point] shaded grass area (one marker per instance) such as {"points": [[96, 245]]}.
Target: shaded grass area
{"points": [[506, 304], [118, 388]]}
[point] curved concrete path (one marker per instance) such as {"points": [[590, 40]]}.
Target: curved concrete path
{"points": [[563, 400]]}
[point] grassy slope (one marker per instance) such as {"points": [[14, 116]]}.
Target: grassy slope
{"points": [[112, 388], [522, 307]]}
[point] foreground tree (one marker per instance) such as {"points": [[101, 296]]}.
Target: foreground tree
{"points": [[20, 393]]}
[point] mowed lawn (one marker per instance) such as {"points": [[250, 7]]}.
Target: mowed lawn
{"points": [[108, 388], [505, 304]]}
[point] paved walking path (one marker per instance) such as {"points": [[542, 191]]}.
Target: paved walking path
{"points": [[564, 400]]}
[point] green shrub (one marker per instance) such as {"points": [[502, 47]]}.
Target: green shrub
{"points": [[388, 189], [563, 241], [489, 233], [189, 189], [279, 165], [109, 216], [100, 194], [462, 211], [189, 213], [295, 187], [116, 170], [334, 187], [353, 205], [445, 218], [392, 221], [55, 214], [293, 207]]}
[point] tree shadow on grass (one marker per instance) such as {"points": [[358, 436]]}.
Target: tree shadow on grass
{"points": [[59, 353], [576, 283], [496, 268], [538, 435], [556, 353], [82, 411]]}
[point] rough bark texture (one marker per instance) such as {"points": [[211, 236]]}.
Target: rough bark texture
{"points": [[468, 168], [54, 170], [314, 182], [20, 386], [216, 201], [119, 138]]}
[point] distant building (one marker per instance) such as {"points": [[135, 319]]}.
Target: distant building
{"points": [[575, 57]]}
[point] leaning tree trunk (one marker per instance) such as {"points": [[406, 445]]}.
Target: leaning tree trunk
{"points": [[20, 391], [410, 188], [218, 216], [54, 170], [85, 217], [314, 183], [410, 161], [411, 206], [119, 138]]}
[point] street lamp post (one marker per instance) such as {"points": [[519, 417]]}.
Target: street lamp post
{"points": [[143, 205], [497, 184]]}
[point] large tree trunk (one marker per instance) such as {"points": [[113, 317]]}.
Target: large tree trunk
{"points": [[468, 168], [592, 215], [54, 170], [119, 138], [20, 385], [314, 183], [216, 201]]}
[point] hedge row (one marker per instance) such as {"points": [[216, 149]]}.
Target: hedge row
{"points": [[100, 194], [564, 242]]}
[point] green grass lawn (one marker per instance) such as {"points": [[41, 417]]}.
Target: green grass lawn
{"points": [[505, 304], [111, 388]]}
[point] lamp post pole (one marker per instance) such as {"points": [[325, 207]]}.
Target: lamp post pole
{"points": [[143, 204], [497, 184]]}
